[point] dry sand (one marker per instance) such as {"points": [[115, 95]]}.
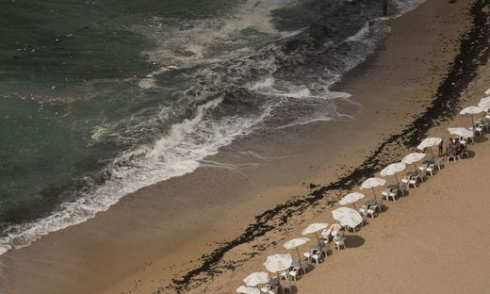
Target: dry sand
{"points": [[160, 232]]}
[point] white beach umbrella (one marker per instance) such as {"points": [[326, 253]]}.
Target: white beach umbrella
{"points": [[372, 183], [351, 198], [313, 229], [412, 158], [472, 110], [247, 290], [461, 132], [295, 243], [347, 216], [278, 262], [484, 103], [392, 169], [428, 143], [487, 92], [256, 278]]}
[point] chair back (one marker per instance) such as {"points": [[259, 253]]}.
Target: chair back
{"points": [[335, 228]]}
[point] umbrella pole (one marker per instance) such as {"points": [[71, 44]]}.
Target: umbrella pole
{"points": [[415, 167], [375, 199], [473, 125], [354, 204], [317, 239], [299, 256], [397, 181]]}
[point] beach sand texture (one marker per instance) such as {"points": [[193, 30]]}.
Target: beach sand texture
{"points": [[431, 241]]}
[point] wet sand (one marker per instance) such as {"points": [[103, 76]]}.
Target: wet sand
{"points": [[160, 232]]}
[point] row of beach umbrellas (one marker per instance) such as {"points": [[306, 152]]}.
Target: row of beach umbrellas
{"points": [[281, 262]]}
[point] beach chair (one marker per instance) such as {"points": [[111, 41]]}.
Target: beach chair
{"points": [[478, 129], [324, 248], [421, 175], [409, 181], [403, 189], [453, 156], [314, 255], [295, 272], [389, 194], [339, 241], [366, 211]]}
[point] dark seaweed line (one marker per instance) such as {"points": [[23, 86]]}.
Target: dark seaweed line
{"points": [[474, 51]]}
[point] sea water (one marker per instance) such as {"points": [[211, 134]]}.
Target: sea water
{"points": [[101, 98]]}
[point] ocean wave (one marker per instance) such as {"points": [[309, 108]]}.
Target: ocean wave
{"points": [[268, 79]]}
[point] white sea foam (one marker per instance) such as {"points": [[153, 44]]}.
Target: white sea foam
{"points": [[405, 6], [208, 41], [175, 154]]}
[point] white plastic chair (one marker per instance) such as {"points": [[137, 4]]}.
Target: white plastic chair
{"points": [[387, 195], [430, 169], [324, 248], [409, 182], [452, 156], [339, 242], [295, 272]]}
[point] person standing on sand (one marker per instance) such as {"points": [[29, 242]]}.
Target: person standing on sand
{"points": [[441, 148], [385, 7]]}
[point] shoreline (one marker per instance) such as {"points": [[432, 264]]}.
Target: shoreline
{"points": [[268, 216]]}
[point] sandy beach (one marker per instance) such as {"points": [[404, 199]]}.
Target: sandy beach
{"points": [[205, 231]]}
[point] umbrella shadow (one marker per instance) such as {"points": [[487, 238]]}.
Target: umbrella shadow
{"points": [[294, 290], [354, 241], [471, 154], [480, 139]]}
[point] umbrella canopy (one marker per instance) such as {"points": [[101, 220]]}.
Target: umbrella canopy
{"points": [[295, 243], [428, 143], [347, 216], [278, 262], [313, 228], [471, 110], [256, 278], [413, 157], [462, 132], [487, 92], [392, 169], [351, 198], [484, 103], [247, 290], [372, 183]]}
